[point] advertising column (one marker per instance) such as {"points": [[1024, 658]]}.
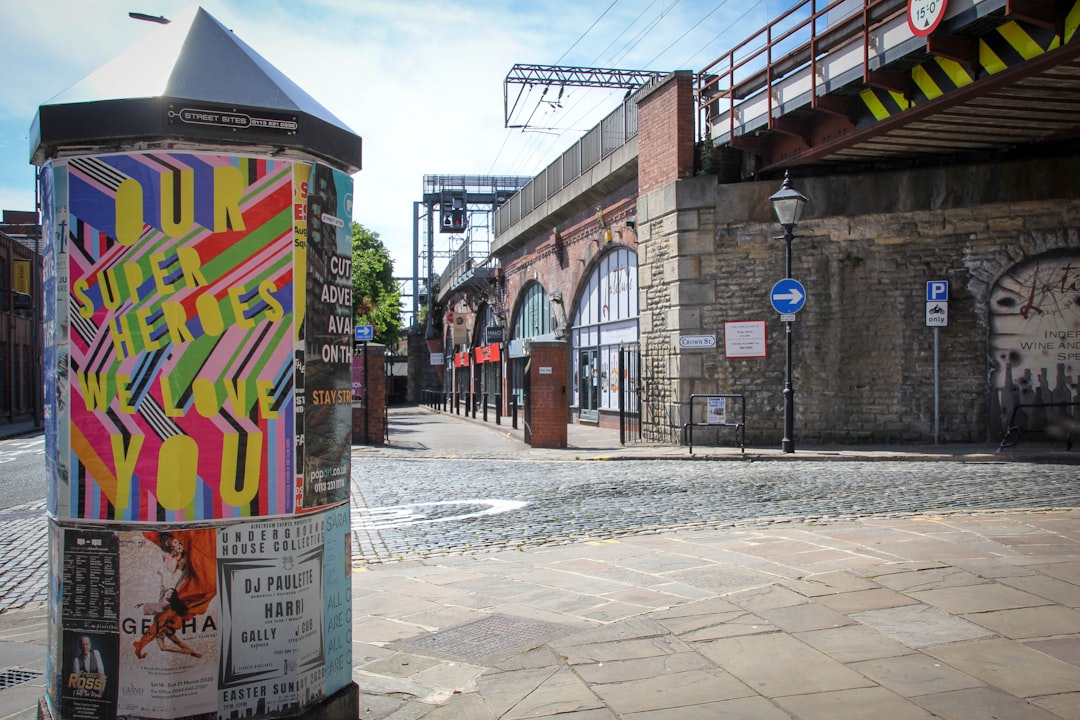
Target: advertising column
{"points": [[198, 321]]}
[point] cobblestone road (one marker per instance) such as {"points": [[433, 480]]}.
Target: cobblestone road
{"points": [[405, 508], [512, 503]]}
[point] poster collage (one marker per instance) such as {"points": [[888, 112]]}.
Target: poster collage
{"points": [[200, 551]]}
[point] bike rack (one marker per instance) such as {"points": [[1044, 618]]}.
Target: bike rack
{"points": [[739, 427], [1013, 431]]}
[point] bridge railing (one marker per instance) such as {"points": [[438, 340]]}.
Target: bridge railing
{"points": [[613, 132], [814, 47]]}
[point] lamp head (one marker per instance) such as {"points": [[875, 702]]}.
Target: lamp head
{"points": [[788, 204]]}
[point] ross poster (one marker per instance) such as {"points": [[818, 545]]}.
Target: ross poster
{"points": [[328, 330], [170, 621], [88, 657], [181, 316]]}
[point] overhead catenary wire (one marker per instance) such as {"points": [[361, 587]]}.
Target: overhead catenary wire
{"points": [[587, 31], [548, 126]]}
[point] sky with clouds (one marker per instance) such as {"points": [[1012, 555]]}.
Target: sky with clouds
{"points": [[420, 81]]}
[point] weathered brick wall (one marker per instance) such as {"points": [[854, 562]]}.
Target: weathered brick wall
{"points": [[562, 265], [666, 132], [548, 393], [863, 356], [368, 426]]}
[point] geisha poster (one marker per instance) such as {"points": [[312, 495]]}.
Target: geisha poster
{"points": [[181, 326], [170, 623]]}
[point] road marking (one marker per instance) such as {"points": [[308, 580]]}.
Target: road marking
{"points": [[393, 516], [12, 449]]}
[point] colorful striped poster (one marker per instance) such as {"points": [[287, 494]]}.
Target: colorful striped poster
{"points": [[181, 337]]}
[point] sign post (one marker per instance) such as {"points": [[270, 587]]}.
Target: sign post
{"points": [[363, 335], [788, 297], [937, 316]]}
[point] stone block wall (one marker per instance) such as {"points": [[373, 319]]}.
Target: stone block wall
{"points": [[863, 362]]}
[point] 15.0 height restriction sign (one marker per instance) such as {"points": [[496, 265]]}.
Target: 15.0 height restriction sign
{"points": [[923, 16]]}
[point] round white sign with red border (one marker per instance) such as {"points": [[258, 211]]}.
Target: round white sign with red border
{"points": [[923, 16]]}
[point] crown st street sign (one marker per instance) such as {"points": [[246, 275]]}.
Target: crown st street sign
{"points": [[699, 342]]}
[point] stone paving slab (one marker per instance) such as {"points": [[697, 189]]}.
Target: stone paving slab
{"points": [[839, 644]]}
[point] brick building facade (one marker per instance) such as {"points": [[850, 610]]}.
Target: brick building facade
{"points": [[20, 330], [1005, 235]]}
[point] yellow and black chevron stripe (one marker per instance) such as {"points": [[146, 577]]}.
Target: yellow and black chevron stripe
{"points": [[1006, 46]]}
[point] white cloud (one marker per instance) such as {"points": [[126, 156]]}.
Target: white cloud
{"points": [[420, 81]]}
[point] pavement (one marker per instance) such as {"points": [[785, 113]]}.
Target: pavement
{"points": [[424, 432], [18, 429], [960, 616]]}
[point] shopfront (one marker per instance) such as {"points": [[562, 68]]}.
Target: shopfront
{"points": [[605, 320]]}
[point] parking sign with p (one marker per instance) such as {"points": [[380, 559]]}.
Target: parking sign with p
{"points": [[937, 303], [937, 291]]}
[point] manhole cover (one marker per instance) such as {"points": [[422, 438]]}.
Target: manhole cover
{"points": [[490, 636], [8, 678]]}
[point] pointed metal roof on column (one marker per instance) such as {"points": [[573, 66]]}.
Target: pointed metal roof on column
{"points": [[194, 81]]}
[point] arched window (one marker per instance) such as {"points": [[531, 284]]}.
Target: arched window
{"points": [[489, 375], [605, 320], [534, 313], [533, 318]]}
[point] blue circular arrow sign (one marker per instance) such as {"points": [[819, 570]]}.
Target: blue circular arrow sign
{"points": [[787, 296]]}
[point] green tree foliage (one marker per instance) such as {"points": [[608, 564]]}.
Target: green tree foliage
{"points": [[376, 299]]}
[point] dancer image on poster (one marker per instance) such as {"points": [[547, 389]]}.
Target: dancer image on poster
{"points": [[189, 560]]}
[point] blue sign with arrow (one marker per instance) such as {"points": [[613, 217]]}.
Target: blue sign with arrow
{"points": [[788, 296], [364, 333]]}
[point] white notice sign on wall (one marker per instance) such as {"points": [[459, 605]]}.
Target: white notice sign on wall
{"points": [[745, 339]]}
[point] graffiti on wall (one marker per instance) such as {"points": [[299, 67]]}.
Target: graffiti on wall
{"points": [[1035, 345]]}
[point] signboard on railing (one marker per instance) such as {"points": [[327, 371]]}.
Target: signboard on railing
{"points": [[487, 353]]}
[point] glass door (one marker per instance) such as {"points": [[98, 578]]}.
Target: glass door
{"points": [[589, 383]]}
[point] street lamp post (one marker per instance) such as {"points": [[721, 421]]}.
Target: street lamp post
{"points": [[788, 205]]}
